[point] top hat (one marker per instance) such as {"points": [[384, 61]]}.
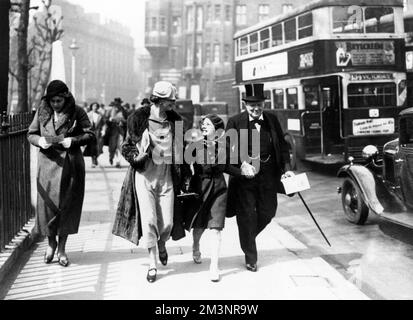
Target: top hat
{"points": [[254, 92], [116, 102]]}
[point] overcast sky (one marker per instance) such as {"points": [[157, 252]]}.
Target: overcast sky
{"points": [[130, 13]]}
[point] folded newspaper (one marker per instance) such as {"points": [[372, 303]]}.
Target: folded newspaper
{"points": [[55, 139], [296, 183]]}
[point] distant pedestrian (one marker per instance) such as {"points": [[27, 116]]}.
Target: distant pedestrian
{"points": [[208, 211], [145, 102], [94, 148], [116, 131], [147, 205], [59, 128], [252, 197]]}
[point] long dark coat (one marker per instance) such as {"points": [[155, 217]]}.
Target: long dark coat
{"points": [[61, 172], [282, 155], [94, 147], [127, 221], [209, 209]]}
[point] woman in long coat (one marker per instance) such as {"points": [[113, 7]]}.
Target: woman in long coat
{"points": [[148, 207], [117, 127], [59, 128], [208, 211], [94, 148]]}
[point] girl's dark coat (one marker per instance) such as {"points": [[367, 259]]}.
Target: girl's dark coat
{"points": [[61, 172], [127, 221]]}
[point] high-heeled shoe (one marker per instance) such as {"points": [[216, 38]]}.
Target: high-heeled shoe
{"points": [[196, 256], [48, 257], [63, 260], [163, 257], [151, 276]]}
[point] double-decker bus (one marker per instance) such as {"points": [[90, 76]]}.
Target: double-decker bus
{"points": [[333, 72]]}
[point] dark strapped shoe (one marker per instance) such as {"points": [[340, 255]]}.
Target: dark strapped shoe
{"points": [[252, 267], [48, 256], [151, 277], [163, 257]]}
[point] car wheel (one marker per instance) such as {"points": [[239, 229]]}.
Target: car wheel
{"points": [[355, 208]]}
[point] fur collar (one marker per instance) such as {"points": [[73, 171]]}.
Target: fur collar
{"points": [[138, 121], [46, 112]]}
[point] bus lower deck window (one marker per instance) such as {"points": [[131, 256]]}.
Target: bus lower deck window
{"points": [[292, 98], [366, 95]]}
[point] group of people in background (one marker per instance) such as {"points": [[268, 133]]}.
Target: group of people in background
{"points": [[109, 126], [159, 199]]}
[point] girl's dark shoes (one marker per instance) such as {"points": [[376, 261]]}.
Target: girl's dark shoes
{"points": [[151, 276], [49, 254], [63, 260], [163, 257]]}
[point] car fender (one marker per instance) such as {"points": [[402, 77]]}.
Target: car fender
{"points": [[366, 182]]}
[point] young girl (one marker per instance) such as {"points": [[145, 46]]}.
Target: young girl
{"points": [[209, 211]]}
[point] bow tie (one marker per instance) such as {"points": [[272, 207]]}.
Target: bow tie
{"points": [[260, 122]]}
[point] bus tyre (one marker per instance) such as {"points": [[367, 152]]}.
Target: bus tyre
{"points": [[355, 208], [292, 150]]}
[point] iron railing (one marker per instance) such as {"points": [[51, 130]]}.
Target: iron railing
{"points": [[15, 190]]}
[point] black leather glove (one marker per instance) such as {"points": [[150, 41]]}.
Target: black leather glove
{"points": [[140, 160]]}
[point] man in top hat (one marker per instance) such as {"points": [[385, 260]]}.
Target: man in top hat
{"points": [[252, 197]]}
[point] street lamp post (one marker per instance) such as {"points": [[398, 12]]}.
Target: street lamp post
{"points": [[84, 73], [73, 47]]}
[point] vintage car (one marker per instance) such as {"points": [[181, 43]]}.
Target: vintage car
{"points": [[384, 185]]}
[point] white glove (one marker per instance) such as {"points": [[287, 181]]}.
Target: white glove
{"points": [[288, 174], [43, 144], [66, 143], [247, 170]]}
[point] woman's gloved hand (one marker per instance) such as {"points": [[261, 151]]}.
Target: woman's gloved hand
{"points": [[140, 160], [43, 143]]}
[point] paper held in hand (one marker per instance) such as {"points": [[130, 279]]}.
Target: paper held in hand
{"points": [[55, 139], [296, 183]]}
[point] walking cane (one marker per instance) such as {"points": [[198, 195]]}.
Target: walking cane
{"points": [[309, 211]]}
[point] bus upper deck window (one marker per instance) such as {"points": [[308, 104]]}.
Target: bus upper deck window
{"points": [[347, 19], [277, 35], [290, 30], [254, 42], [264, 39], [243, 46], [379, 19], [305, 25]]}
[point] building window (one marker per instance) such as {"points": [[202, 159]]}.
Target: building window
{"points": [[190, 19], [147, 24], [305, 25], [217, 53], [217, 12], [176, 25], [153, 24], [199, 18], [198, 52], [208, 13], [208, 53], [227, 13], [254, 42], [286, 7], [264, 39], [189, 52], [263, 12], [162, 24], [227, 53], [173, 57], [290, 30], [241, 15], [277, 35]]}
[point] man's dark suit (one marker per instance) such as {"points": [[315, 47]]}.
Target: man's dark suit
{"points": [[254, 201]]}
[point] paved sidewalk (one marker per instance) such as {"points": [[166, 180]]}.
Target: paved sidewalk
{"points": [[108, 267]]}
